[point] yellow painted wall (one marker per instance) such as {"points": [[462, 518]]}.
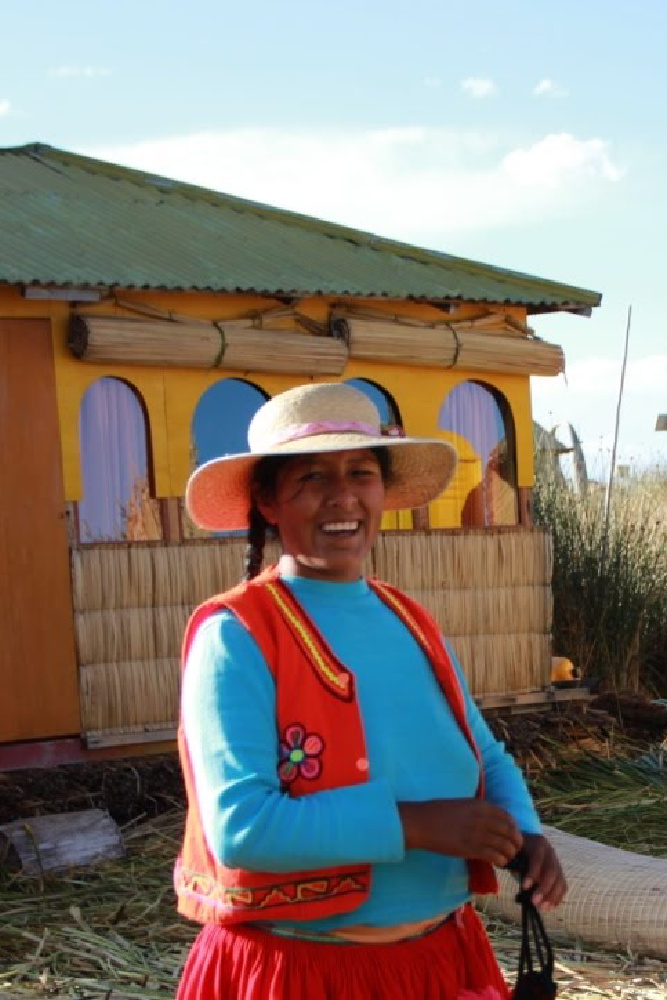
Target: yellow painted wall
{"points": [[171, 395]]}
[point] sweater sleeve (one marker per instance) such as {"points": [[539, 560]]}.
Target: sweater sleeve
{"points": [[229, 721], [505, 784]]}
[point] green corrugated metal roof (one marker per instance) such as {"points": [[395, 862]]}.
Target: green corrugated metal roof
{"points": [[71, 220]]}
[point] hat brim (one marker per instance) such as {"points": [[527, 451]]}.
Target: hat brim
{"points": [[217, 496]]}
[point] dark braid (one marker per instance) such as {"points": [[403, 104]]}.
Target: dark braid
{"points": [[263, 483], [254, 553]]}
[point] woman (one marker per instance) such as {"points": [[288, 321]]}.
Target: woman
{"points": [[345, 796]]}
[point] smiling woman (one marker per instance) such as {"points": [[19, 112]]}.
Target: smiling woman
{"points": [[321, 861]]}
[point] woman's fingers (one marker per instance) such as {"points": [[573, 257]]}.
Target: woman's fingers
{"points": [[544, 872]]}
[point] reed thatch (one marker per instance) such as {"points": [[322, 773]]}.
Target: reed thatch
{"points": [[463, 559], [504, 664], [461, 344], [489, 591], [129, 696], [197, 344], [107, 577], [498, 611]]}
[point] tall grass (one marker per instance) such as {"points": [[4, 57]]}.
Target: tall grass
{"points": [[610, 582]]}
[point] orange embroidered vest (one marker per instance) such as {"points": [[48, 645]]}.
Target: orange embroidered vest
{"points": [[321, 747]]}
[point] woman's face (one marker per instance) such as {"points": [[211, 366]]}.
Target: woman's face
{"points": [[327, 509]]}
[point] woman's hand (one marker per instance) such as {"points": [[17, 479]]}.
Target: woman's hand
{"points": [[544, 872], [461, 828]]}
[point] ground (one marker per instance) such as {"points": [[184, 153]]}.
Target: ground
{"points": [[110, 932], [131, 789]]}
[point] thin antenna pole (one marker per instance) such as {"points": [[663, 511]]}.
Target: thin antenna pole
{"points": [[618, 423]]}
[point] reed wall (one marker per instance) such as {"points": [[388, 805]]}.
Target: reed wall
{"points": [[490, 591]]}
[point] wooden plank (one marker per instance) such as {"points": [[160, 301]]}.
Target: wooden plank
{"points": [[171, 521], [525, 502], [95, 739], [420, 518], [531, 699], [59, 841], [39, 697]]}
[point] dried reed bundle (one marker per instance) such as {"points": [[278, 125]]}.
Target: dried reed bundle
{"points": [[236, 344], [493, 611], [489, 591], [503, 664], [131, 633], [459, 560], [449, 345], [109, 577], [126, 695], [616, 898]]}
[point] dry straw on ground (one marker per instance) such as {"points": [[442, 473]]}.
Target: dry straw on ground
{"points": [[113, 934]]}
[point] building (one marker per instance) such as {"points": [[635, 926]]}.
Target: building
{"points": [[142, 322]]}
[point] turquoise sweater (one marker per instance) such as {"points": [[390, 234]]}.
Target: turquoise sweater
{"points": [[414, 747]]}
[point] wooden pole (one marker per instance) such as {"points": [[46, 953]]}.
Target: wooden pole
{"points": [[616, 429]]}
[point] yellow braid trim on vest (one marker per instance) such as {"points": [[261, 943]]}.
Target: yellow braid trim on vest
{"points": [[403, 613], [340, 681]]}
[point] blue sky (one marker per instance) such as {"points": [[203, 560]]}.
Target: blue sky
{"points": [[528, 135]]}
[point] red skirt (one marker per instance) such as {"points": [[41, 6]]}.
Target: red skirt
{"points": [[453, 962]]}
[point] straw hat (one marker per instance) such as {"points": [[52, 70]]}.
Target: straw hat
{"points": [[329, 416]]}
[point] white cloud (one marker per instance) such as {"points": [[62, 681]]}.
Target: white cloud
{"points": [[89, 72], [478, 86], [549, 88], [5, 107], [558, 158], [419, 184]]}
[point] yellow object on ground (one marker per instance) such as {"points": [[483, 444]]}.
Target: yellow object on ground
{"points": [[563, 669]]}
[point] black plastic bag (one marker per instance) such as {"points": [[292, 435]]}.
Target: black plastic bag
{"points": [[535, 979]]}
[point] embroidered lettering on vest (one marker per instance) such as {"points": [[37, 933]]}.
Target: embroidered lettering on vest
{"points": [[336, 679]]}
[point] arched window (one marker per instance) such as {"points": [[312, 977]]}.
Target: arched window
{"points": [[384, 401], [220, 425], [115, 469], [389, 414], [480, 415]]}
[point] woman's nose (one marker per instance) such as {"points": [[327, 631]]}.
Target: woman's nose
{"points": [[340, 491]]}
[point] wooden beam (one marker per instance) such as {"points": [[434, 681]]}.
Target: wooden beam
{"points": [[525, 498], [96, 739], [420, 519], [526, 701], [172, 530]]}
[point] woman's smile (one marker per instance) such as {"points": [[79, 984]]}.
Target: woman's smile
{"points": [[341, 527]]}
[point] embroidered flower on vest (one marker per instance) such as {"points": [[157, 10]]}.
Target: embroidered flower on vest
{"points": [[300, 754]]}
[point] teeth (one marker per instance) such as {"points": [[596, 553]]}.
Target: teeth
{"points": [[341, 526]]}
